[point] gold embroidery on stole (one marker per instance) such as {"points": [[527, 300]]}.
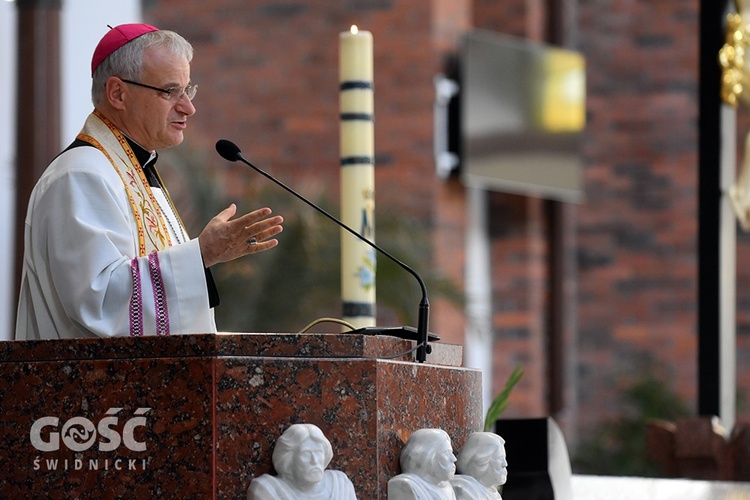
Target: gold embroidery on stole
{"points": [[153, 234]]}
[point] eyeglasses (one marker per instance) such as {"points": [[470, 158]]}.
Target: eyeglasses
{"points": [[174, 94]]}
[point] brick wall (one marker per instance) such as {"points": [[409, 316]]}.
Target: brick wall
{"points": [[268, 78], [518, 228], [519, 285], [637, 230], [268, 73]]}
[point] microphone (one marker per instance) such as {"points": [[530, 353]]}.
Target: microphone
{"points": [[229, 151]]}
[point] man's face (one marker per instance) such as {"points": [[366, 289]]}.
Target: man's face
{"points": [[308, 465], [151, 118]]}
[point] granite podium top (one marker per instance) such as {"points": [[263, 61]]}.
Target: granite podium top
{"points": [[294, 345]]}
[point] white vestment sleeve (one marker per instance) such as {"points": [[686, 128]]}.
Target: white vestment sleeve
{"points": [[80, 241], [181, 267]]}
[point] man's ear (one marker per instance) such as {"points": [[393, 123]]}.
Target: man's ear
{"points": [[114, 91]]}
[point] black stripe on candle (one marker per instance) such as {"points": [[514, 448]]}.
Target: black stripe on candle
{"points": [[357, 309], [363, 117], [357, 160], [356, 85]]}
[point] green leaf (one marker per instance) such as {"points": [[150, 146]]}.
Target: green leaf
{"points": [[500, 403]]}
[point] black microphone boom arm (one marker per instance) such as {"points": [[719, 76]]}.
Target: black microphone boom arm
{"points": [[229, 151]]}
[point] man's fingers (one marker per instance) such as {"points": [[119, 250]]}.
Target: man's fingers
{"points": [[252, 217], [227, 213], [261, 246], [261, 231], [225, 239], [264, 225]]}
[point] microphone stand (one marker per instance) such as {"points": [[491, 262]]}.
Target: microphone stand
{"points": [[229, 151]]}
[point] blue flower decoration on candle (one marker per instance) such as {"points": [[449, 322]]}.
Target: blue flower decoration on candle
{"points": [[366, 272]]}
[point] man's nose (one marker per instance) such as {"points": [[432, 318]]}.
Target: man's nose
{"points": [[185, 106]]}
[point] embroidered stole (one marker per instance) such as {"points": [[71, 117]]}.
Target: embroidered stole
{"points": [[150, 225]]}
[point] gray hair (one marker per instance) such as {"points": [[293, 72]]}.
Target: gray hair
{"points": [[127, 61]]}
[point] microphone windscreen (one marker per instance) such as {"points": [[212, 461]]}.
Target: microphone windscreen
{"points": [[228, 150]]}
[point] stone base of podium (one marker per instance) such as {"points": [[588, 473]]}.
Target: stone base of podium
{"points": [[197, 416]]}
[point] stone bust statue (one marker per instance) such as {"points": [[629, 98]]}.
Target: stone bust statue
{"points": [[482, 467], [427, 465], [300, 457]]}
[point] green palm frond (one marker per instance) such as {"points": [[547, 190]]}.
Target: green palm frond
{"points": [[500, 403]]}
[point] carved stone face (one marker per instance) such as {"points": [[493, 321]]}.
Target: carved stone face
{"points": [[483, 457], [445, 461], [308, 464], [497, 472]]}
